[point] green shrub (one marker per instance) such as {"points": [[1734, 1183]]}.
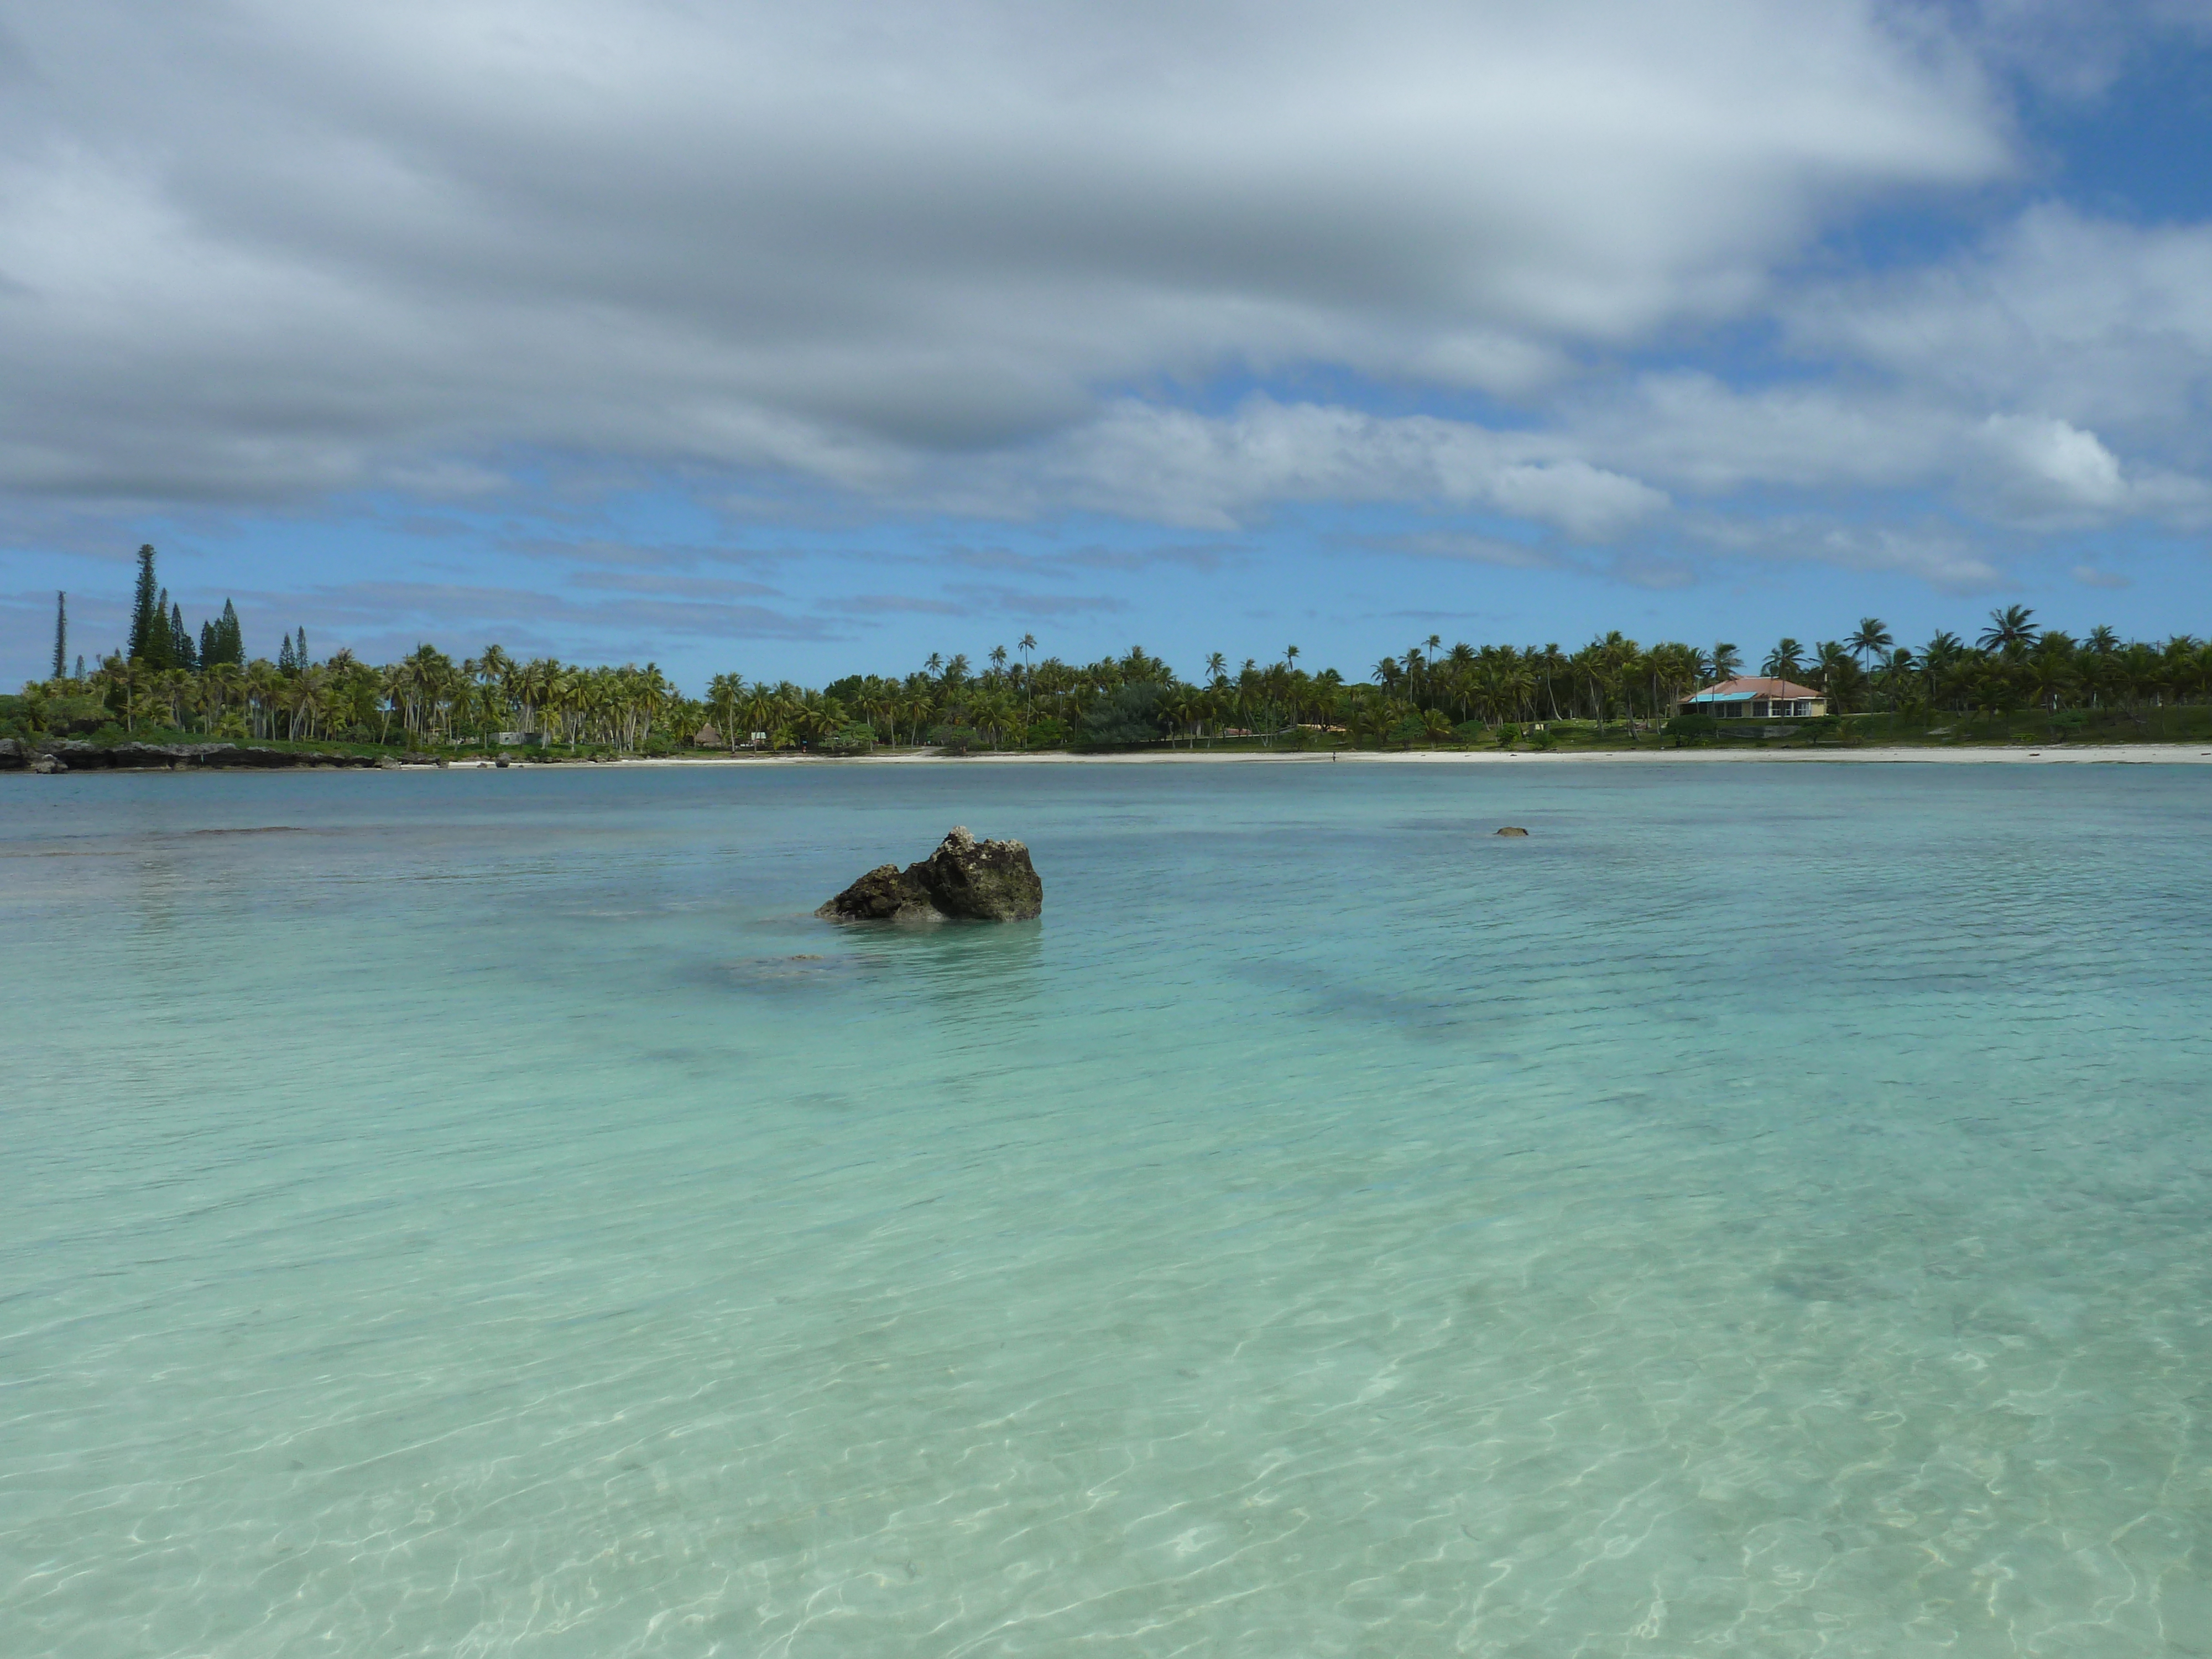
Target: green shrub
{"points": [[956, 739], [852, 739], [1048, 733], [1131, 714], [75, 716]]}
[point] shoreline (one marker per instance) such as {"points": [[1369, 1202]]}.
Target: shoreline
{"points": [[138, 760], [2145, 754]]}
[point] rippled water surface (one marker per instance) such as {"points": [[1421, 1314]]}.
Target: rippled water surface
{"points": [[1764, 1211]]}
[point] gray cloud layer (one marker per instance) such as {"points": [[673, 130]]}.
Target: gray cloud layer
{"points": [[984, 257]]}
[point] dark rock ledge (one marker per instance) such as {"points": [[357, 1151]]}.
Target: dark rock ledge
{"points": [[73, 756], [975, 880]]}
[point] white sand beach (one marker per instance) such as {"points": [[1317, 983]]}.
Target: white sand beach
{"points": [[2146, 754]]}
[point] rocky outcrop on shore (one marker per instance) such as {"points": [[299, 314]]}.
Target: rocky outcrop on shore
{"points": [[965, 879], [73, 755]]}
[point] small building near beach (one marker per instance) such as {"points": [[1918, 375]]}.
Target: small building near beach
{"points": [[1759, 698], [707, 737]]}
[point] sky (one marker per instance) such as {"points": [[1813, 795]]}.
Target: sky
{"points": [[799, 341]]}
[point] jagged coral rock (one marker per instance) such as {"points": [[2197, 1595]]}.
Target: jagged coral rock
{"points": [[974, 880]]}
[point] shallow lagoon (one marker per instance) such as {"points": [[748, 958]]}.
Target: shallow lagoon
{"points": [[1764, 1211]]}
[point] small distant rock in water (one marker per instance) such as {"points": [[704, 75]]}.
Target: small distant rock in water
{"points": [[1512, 829], [970, 879]]}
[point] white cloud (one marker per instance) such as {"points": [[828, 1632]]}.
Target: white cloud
{"points": [[2104, 324], [992, 260], [2090, 576], [259, 249], [1931, 553], [1695, 431], [2037, 471], [2054, 463], [1213, 473]]}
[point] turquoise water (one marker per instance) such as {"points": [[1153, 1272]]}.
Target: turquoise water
{"points": [[480, 1213]]}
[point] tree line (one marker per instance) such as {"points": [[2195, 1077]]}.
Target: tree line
{"points": [[1431, 693]]}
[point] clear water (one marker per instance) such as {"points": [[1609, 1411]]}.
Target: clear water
{"points": [[1764, 1211]]}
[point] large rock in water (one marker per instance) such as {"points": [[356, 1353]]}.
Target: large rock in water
{"points": [[977, 880]]}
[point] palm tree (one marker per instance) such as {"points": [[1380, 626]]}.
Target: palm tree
{"points": [[2050, 669], [2008, 626], [1673, 670], [916, 708], [725, 694], [1894, 678], [219, 685], [1727, 662], [1840, 677], [1786, 661], [1938, 657], [1870, 639]]}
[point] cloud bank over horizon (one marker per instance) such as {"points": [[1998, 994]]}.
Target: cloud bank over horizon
{"points": [[609, 325]]}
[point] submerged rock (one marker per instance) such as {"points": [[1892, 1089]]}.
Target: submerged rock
{"points": [[975, 880], [1511, 829]]}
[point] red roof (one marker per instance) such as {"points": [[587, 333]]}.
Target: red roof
{"points": [[1758, 685]]}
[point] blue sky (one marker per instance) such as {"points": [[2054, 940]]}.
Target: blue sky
{"points": [[797, 344]]}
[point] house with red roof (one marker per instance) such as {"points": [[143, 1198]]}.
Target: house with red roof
{"points": [[1754, 697]]}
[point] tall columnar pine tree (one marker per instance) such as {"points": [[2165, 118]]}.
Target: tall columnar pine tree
{"points": [[147, 621], [61, 636], [181, 654], [300, 651], [286, 662], [160, 650], [221, 640]]}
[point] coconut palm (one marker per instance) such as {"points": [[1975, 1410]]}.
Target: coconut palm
{"points": [[2010, 625], [725, 695], [2050, 669], [1939, 662], [1869, 639]]}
